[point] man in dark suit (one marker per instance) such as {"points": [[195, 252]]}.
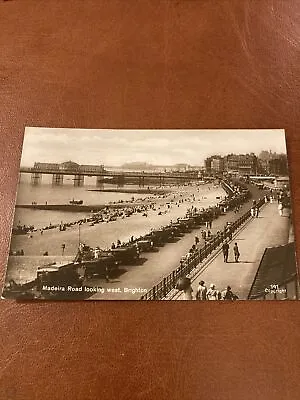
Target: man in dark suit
{"points": [[225, 249]]}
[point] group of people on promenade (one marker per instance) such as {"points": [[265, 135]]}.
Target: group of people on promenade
{"points": [[234, 203], [282, 197], [203, 293], [225, 250], [214, 294]]}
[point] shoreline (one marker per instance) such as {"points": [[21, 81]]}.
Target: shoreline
{"points": [[133, 191], [73, 207]]}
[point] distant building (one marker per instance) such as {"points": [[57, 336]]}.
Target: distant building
{"points": [[214, 165], [273, 163], [217, 164], [262, 166], [69, 166], [243, 164], [278, 165]]}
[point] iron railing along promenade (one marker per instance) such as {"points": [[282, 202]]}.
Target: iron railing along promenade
{"points": [[159, 291]]}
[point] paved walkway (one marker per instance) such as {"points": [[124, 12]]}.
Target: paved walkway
{"points": [[268, 230], [160, 264]]}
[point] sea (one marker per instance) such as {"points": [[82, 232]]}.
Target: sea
{"points": [[47, 192]]}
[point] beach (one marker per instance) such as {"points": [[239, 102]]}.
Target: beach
{"points": [[164, 209]]}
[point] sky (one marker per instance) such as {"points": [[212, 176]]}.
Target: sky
{"points": [[159, 147]]}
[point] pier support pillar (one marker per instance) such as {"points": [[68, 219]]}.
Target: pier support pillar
{"points": [[161, 180], [78, 180], [141, 181], [57, 179], [120, 180], [99, 182], [36, 178]]}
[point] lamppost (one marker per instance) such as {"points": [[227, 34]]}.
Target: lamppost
{"points": [[79, 239]]}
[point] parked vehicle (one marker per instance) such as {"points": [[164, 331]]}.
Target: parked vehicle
{"points": [[102, 266], [186, 224], [95, 261], [160, 236], [145, 245], [58, 275], [126, 255]]}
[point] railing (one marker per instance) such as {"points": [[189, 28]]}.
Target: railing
{"points": [[227, 188], [168, 283]]}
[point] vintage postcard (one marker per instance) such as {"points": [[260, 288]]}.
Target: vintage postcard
{"points": [[153, 215]]}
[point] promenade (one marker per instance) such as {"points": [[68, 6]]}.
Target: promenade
{"points": [[268, 230], [159, 264]]}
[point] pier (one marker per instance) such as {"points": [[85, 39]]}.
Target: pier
{"points": [[141, 178]]}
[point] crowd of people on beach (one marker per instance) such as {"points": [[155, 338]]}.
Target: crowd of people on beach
{"points": [[160, 204]]}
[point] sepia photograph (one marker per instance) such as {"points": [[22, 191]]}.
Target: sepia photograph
{"points": [[152, 215]]}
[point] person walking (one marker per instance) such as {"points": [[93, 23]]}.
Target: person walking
{"points": [[236, 252], [228, 230], [201, 291], [225, 249], [280, 209], [184, 284], [227, 294], [107, 274], [187, 293], [196, 240], [212, 293]]}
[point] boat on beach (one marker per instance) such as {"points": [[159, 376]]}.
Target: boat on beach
{"points": [[76, 202]]}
